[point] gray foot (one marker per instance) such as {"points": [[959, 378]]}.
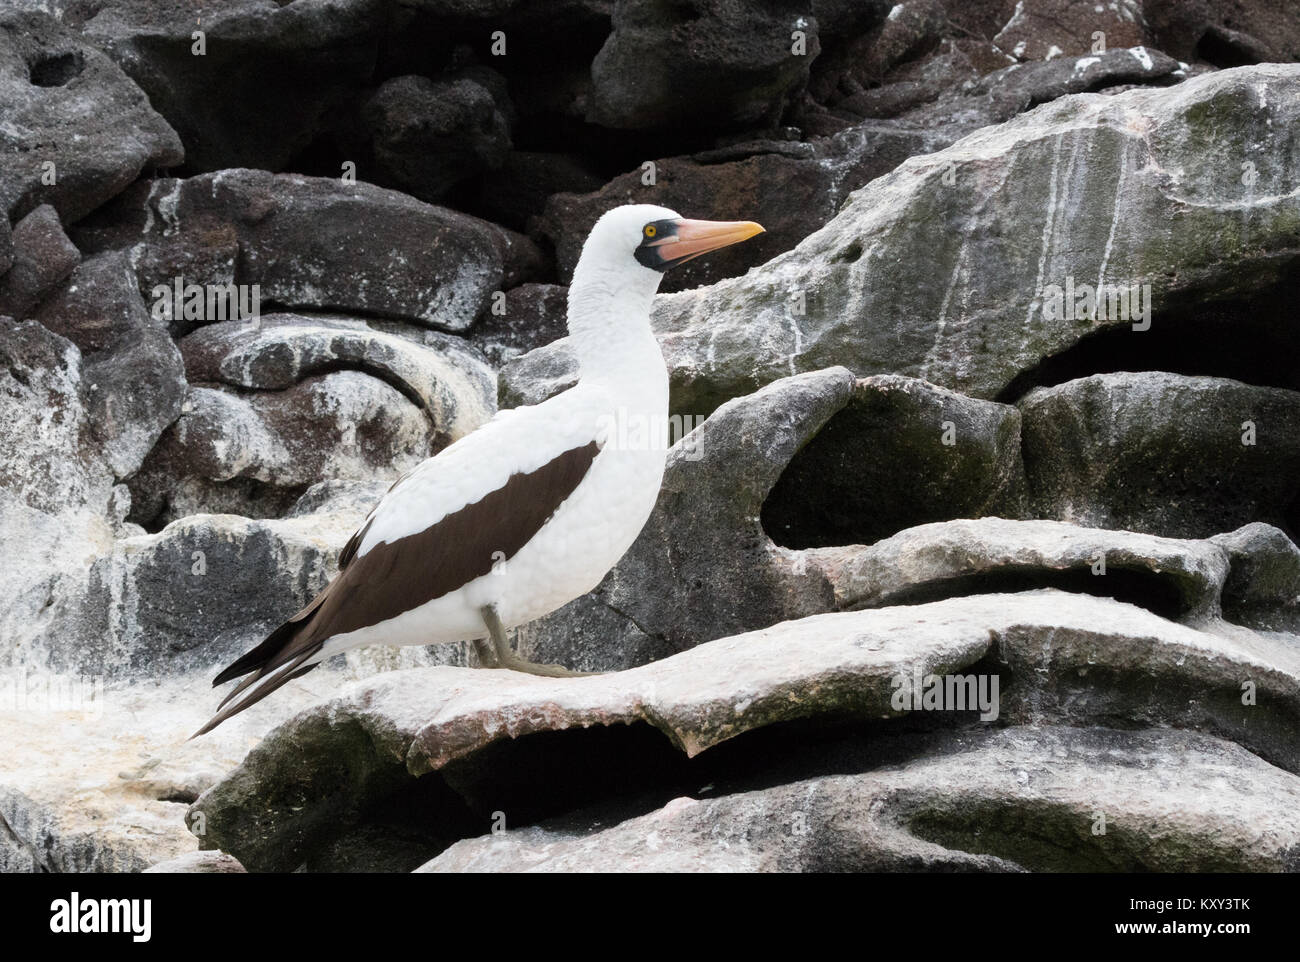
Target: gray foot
{"points": [[506, 658]]}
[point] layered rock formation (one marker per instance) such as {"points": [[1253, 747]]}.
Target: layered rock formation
{"points": [[1006, 394]]}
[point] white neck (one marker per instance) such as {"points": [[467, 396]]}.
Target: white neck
{"points": [[609, 326]]}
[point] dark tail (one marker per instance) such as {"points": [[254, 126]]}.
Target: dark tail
{"points": [[277, 660]]}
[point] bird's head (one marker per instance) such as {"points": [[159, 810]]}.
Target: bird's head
{"points": [[656, 238]]}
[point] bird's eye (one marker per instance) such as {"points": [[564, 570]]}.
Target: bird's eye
{"points": [[650, 230]]}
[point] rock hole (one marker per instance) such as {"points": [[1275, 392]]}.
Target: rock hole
{"points": [[866, 476], [546, 774], [1218, 47], [57, 69], [850, 255], [1045, 839]]}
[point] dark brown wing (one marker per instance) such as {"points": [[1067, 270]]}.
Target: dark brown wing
{"points": [[394, 577]]}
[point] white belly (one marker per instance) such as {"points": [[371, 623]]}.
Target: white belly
{"points": [[568, 557]]}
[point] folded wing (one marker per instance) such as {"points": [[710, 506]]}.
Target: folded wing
{"points": [[380, 579]]}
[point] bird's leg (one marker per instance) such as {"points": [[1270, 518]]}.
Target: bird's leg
{"points": [[487, 653], [506, 658]]}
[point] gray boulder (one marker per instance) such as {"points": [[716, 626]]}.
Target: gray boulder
{"points": [[68, 106], [894, 60], [134, 375], [867, 281], [281, 404], [1045, 29], [1162, 453], [700, 63], [532, 315], [200, 591], [1262, 589], [428, 136], [254, 453], [268, 79], [308, 242], [930, 272], [532, 377], [447, 380], [1021, 86], [42, 257], [206, 588], [1178, 579]]}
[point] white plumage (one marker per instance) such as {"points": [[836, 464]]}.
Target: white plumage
{"points": [[532, 509], [621, 376]]}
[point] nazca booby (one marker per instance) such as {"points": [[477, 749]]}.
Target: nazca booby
{"points": [[531, 510]]}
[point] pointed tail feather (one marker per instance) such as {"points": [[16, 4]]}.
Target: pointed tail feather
{"points": [[276, 643], [280, 658], [265, 681]]}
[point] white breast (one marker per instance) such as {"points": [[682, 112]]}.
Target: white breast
{"points": [[590, 531]]}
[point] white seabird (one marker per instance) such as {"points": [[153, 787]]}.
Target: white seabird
{"points": [[531, 510]]}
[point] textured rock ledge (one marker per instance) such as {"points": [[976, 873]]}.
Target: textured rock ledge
{"points": [[1066, 657], [1051, 799]]}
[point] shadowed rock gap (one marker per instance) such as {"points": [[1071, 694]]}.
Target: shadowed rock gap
{"points": [[1250, 339], [1219, 47], [400, 832], [274, 501], [846, 484], [579, 777], [1291, 519], [1139, 587], [1053, 842], [334, 366]]}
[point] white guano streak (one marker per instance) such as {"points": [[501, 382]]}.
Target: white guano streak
{"points": [[1114, 217], [1047, 229]]}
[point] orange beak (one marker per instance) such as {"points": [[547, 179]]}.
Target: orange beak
{"points": [[691, 238]]}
